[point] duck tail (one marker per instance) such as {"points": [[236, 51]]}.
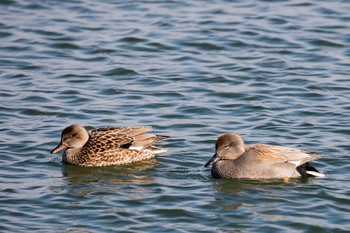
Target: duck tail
{"points": [[315, 174], [156, 150], [307, 169]]}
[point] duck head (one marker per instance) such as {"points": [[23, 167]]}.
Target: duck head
{"points": [[227, 146], [74, 136]]}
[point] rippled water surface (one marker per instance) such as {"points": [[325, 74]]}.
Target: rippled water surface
{"points": [[276, 72]]}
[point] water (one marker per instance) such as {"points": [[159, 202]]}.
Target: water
{"points": [[273, 71]]}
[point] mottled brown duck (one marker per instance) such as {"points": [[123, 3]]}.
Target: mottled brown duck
{"points": [[107, 146]]}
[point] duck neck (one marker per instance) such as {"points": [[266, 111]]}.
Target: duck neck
{"points": [[73, 156]]}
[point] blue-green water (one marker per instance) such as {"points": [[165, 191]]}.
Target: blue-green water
{"points": [[276, 72]]}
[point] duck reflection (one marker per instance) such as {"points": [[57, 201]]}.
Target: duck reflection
{"points": [[121, 174], [233, 188]]}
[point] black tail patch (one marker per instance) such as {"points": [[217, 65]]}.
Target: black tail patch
{"points": [[302, 169]]}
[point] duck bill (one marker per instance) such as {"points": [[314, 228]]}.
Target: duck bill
{"points": [[214, 159], [58, 148]]}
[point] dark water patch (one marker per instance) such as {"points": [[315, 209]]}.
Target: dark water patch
{"points": [[32, 112], [272, 63], [97, 29], [31, 67], [277, 21], [69, 92], [7, 95], [101, 51], [187, 125], [183, 58], [170, 95], [326, 11], [132, 40], [76, 78], [239, 44], [156, 105], [146, 48], [97, 111], [36, 6], [319, 58], [327, 43], [281, 51], [55, 36], [274, 41], [249, 33], [229, 95], [5, 34], [47, 33], [110, 91], [8, 2], [66, 45], [301, 4], [118, 72], [203, 46], [161, 46], [92, 59], [36, 99], [15, 49]]}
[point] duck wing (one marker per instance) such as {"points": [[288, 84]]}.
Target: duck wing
{"points": [[111, 138], [280, 154]]}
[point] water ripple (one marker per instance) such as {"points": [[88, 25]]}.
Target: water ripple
{"points": [[273, 71]]}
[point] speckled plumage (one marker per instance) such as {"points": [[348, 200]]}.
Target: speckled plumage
{"points": [[107, 146], [232, 159]]}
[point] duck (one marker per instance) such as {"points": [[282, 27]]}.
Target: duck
{"points": [[234, 160], [107, 146]]}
